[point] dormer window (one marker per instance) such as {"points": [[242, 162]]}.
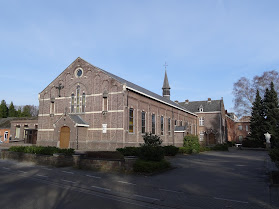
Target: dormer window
{"points": [[201, 108]]}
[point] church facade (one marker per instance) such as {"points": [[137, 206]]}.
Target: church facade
{"points": [[88, 108]]}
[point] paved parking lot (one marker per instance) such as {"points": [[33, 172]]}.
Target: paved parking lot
{"points": [[235, 179]]}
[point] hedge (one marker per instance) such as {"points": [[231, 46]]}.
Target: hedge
{"points": [[41, 150], [143, 166]]}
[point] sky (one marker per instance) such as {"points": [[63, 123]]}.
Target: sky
{"points": [[207, 44]]}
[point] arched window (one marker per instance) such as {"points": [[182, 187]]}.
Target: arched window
{"points": [[72, 103], [201, 108], [78, 100], [83, 103]]}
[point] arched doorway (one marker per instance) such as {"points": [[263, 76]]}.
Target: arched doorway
{"points": [[64, 137]]}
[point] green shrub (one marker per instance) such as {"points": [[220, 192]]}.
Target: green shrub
{"points": [[185, 150], [170, 150], [150, 166], [151, 140], [252, 143], [105, 154], [69, 151], [191, 142], [129, 151], [41, 150], [231, 143], [203, 149], [220, 147], [151, 153], [17, 149], [274, 154]]}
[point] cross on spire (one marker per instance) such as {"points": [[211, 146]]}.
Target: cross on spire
{"points": [[165, 65], [59, 87]]}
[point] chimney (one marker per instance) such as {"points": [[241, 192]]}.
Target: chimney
{"points": [[187, 101], [176, 101], [209, 100]]}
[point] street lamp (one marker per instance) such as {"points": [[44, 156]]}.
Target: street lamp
{"points": [[267, 139]]}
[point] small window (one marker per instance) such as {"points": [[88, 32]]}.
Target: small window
{"points": [[201, 136], [17, 135], [240, 138], [105, 101], [169, 126], [162, 125], [25, 131], [201, 108], [153, 124], [181, 123], [201, 120], [52, 108], [6, 135], [175, 122], [143, 122], [131, 120], [240, 127], [247, 128]]}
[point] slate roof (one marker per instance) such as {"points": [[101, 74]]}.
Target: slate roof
{"points": [[6, 122], [78, 120], [166, 84], [214, 105], [143, 91]]}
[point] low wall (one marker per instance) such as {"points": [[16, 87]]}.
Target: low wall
{"points": [[76, 161], [56, 160]]}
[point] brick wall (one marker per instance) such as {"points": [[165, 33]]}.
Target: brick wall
{"points": [[54, 111]]}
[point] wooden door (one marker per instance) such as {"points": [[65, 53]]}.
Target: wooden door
{"points": [[64, 137], [212, 138]]}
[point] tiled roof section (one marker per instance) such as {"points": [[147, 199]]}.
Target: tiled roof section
{"points": [[78, 120], [6, 122], [144, 91], [208, 106], [244, 119], [166, 84]]}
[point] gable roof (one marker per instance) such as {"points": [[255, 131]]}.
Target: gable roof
{"points": [[133, 87], [208, 106]]}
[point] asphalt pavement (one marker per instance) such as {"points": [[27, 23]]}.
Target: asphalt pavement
{"points": [[235, 179]]}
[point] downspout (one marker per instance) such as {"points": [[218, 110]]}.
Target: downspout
{"points": [[77, 137], [173, 126]]}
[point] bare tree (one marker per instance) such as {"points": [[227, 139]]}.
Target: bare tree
{"points": [[244, 90]]}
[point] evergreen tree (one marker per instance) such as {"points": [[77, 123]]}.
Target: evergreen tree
{"points": [[12, 110], [257, 119], [4, 111], [26, 111], [19, 112], [271, 114]]}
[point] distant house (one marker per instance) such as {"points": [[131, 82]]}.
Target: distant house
{"points": [[212, 127], [239, 128], [5, 124], [24, 130]]}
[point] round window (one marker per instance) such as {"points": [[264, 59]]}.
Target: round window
{"points": [[79, 72]]}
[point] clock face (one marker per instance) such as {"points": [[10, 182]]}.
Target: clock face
{"points": [[79, 72]]}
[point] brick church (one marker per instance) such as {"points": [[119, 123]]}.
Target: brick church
{"points": [[86, 107]]}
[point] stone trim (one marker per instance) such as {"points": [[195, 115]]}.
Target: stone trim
{"points": [[45, 129]]}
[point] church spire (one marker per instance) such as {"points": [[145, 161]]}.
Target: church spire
{"points": [[166, 86]]}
